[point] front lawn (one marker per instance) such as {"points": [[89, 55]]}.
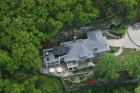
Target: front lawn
{"points": [[125, 53]]}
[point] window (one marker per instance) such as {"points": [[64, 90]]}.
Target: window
{"points": [[95, 49], [88, 60], [70, 68], [75, 67]]}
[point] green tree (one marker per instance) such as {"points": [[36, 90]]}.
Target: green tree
{"points": [[137, 89], [131, 64], [109, 65], [127, 7]]}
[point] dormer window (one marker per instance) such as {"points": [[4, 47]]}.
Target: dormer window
{"points": [[46, 53], [95, 49]]}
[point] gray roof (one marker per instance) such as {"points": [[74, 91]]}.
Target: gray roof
{"points": [[85, 48], [95, 35], [60, 50]]}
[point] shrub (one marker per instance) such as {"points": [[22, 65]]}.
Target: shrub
{"points": [[72, 78], [113, 49], [90, 81], [121, 29], [88, 77], [97, 74], [74, 84], [82, 76], [118, 31], [83, 81], [95, 61], [69, 81]]}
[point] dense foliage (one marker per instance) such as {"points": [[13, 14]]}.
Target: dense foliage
{"points": [[109, 66], [25, 24]]}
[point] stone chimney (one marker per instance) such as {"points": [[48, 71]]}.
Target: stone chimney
{"points": [[74, 39]]}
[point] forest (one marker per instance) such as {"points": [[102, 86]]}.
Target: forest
{"points": [[26, 24]]}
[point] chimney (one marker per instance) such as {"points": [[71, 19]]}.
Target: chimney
{"points": [[74, 39]]}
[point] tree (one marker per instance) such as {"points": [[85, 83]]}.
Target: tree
{"points": [[13, 88], [127, 7], [131, 64], [109, 65], [29, 85], [137, 90]]}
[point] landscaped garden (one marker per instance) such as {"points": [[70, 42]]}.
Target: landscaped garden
{"points": [[49, 84], [79, 80], [121, 29]]}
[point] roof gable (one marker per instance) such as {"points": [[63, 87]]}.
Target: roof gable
{"points": [[85, 48], [95, 35]]}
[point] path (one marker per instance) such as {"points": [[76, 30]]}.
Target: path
{"points": [[119, 52]]}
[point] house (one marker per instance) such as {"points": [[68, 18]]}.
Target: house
{"points": [[76, 51]]}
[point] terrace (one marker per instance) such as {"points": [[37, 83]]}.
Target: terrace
{"points": [[65, 72]]}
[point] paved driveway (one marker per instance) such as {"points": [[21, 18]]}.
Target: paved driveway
{"points": [[125, 42], [134, 33], [130, 40]]}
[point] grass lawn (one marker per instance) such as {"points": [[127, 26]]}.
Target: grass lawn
{"points": [[125, 53]]}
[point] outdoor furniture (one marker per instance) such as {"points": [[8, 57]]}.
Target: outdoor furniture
{"points": [[59, 69], [51, 70]]}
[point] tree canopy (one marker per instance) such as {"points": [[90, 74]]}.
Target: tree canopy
{"points": [[132, 64], [109, 65]]}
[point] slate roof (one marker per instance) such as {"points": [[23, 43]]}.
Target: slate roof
{"points": [[95, 35], [60, 50], [84, 48]]}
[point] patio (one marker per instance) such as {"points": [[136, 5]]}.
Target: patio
{"points": [[64, 72]]}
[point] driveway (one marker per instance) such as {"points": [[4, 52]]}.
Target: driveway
{"points": [[125, 42], [130, 40], [134, 33]]}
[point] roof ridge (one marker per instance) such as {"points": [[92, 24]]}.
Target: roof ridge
{"points": [[86, 49]]}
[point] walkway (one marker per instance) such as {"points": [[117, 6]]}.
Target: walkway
{"points": [[119, 52]]}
